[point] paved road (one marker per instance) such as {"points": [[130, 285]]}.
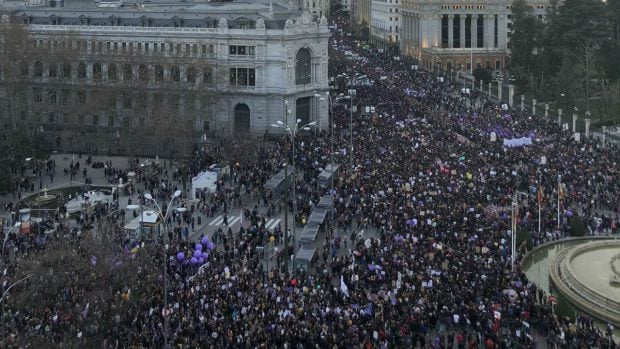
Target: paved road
{"points": [[208, 226]]}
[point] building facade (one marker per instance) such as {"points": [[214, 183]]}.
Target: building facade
{"points": [[459, 36], [318, 8], [385, 23], [361, 12], [218, 68], [445, 35]]}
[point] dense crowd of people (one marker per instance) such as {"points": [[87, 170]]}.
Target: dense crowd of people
{"points": [[427, 174]]}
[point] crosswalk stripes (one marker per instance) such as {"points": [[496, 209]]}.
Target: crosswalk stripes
{"points": [[217, 220], [232, 221], [272, 223]]}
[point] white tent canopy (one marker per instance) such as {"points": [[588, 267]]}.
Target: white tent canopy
{"points": [[204, 182]]}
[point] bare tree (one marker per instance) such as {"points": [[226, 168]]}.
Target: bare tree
{"points": [[90, 285]]}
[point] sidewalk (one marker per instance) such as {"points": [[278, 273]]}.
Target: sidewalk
{"points": [[60, 180]]}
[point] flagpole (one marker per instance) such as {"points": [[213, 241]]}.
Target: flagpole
{"points": [[539, 205], [513, 238], [540, 199], [559, 189]]}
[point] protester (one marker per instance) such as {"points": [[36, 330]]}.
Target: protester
{"points": [[426, 174]]}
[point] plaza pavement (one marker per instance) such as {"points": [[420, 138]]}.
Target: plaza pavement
{"points": [[208, 226]]}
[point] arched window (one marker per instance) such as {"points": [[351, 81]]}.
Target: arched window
{"points": [[127, 72], [191, 75], [159, 73], [242, 119], [66, 70], [303, 67], [52, 70], [207, 75], [82, 70], [24, 69], [112, 74], [143, 72], [97, 71], [38, 69], [175, 74]]}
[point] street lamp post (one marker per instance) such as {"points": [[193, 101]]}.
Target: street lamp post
{"points": [[513, 237], [164, 217], [292, 132], [331, 120], [587, 124], [316, 112], [351, 94], [6, 236], [3, 297], [564, 101]]}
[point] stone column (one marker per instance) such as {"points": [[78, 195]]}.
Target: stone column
{"points": [[420, 31], [522, 103], [89, 71], [490, 26], [490, 86], [546, 110], [604, 134], [534, 107], [485, 31], [437, 32], [403, 35], [574, 122], [183, 73], [502, 37], [462, 30], [481, 87], [588, 127], [560, 117], [450, 31], [151, 69], [416, 30], [104, 71], [474, 31], [499, 90], [511, 95]]}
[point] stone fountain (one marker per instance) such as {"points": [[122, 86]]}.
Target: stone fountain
{"points": [[44, 199]]}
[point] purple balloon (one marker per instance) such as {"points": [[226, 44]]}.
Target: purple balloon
{"points": [[204, 255], [193, 261], [210, 245], [197, 253], [200, 260], [180, 256], [198, 247], [205, 240]]}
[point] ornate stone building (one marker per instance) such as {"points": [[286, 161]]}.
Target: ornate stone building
{"points": [[385, 23], [450, 35], [224, 68], [361, 10]]}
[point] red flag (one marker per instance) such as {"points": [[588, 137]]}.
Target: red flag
{"points": [[541, 195]]}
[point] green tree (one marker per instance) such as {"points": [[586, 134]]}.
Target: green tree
{"points": [[524, 236], [614, 16], [577, 228], [578, 32], [15, 147], [608, 59], [524, 43], [483, 74]]}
